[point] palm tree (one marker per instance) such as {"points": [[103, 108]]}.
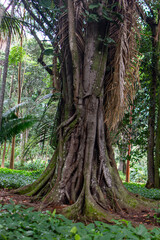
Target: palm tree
{"points": [[98, 71], [8, 26]]}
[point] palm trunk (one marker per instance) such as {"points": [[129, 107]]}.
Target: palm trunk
{"points": [[3, 157], [12, 153], [5, 69], [129, 147], [19, 100], [11, 87]]}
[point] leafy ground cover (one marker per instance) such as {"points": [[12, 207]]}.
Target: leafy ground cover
{"points": [[142, 190], [19, 222], [16, 178]]}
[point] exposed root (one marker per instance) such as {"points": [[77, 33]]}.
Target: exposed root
{"points": [[82, 177]]}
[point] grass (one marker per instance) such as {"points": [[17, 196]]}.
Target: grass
{"points": [[17, 222]]}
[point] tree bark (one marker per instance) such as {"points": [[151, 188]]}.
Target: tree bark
{"points": [[157, 65], [151, 158], [82, 174], [3, 157], [11, 87], [11, 166], [19, 100], [129, 147]]}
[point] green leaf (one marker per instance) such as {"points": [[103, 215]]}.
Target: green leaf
{"points": [[93, 6], [109, 40], [77, 237], [73, 230], [48, 51], [2, 237], [29, 233], [54, 213], [47, 3]]}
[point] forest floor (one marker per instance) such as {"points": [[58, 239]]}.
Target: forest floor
{"points": [[142, 217]]}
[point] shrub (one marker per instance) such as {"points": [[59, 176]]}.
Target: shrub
{"points": [[35, 165]]}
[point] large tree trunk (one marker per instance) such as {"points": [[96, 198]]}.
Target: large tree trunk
{"points": [[85, 175], [82, 174]]}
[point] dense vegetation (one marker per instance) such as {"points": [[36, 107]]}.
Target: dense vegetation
{"points": [[49, 120], [17, 222]]}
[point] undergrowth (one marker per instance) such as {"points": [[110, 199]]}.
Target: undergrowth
{"points": [[34, 165], [16, 178], [17, 222], [142, 190]]}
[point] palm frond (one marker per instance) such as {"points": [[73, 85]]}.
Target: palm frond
{"points": [[13, 126], [123, 65], [46, 129], [13, 109], [8, 25], [79, 26]]}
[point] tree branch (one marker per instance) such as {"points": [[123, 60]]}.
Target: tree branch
{"points": [[40, 59], [27, 6]]}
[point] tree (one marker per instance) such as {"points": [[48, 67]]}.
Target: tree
{"points": [[98, 69], [152, 17], [17, 59], [5, 67], [8, 26]]}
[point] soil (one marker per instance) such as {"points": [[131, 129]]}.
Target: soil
{"points": [[142, 217]]}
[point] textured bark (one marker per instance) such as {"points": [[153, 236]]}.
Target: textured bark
{"points": [[11, 165], [82, 174], [4, 78], [3, 156], [151, 123], [129, 146], [157, 155], [11, 87]]}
